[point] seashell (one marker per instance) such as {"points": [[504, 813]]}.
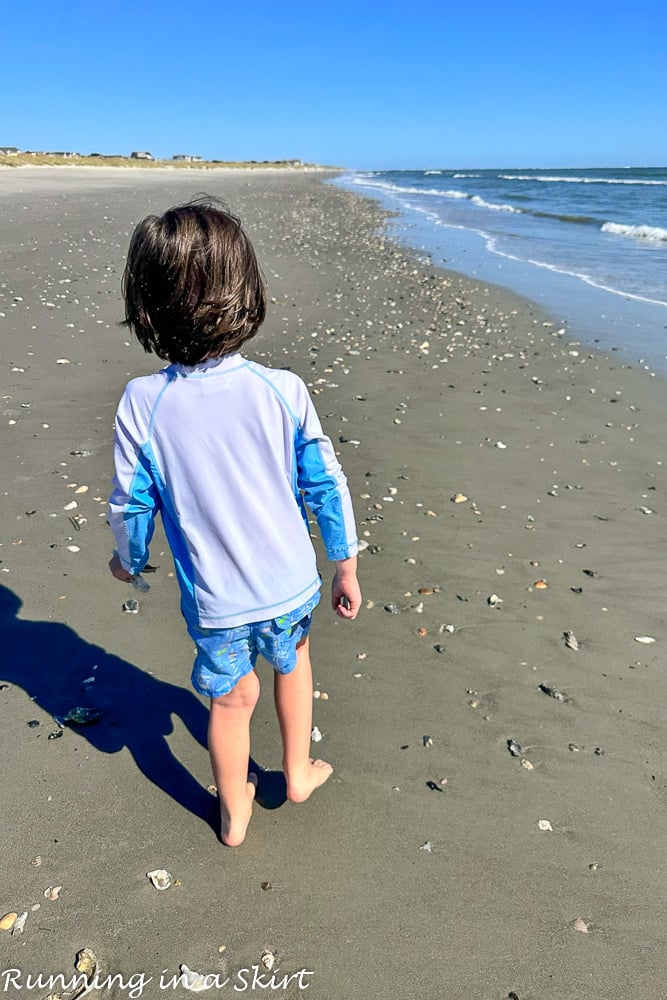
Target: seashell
{"points": [[266, 886], [36, 861], [527, 764], [427, 846], [63, 361], [541, 585], [160, 878], [324, 696], [196, 982], [501, 445], [646, 510], [86, 962], [439, 648], [8, 921], [317, 694], [19, 923], [82, 489], [427, 741], [53, 892], [581, 926], [422, 631], [424, 590], [82, 716], [494, 601], [315, 735], [73, 548], [433, 786], [459, 498], [72, 505], [590, 572], [131, 607], [571, 640], [268, 959], [552, 692], [645, 639], [514, 748], [544, 824]]}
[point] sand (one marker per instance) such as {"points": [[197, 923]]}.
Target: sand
{"points": [[420, 870]]}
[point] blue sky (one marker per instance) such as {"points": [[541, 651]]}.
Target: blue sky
{"points": [[365, 84]]}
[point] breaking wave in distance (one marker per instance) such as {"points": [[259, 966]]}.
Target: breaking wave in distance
{"points": [[582, 180], [654, 233]]}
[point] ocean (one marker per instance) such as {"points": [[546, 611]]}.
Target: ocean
{"points": [[589, 245]]}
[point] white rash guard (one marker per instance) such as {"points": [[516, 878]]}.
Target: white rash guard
{"points": [[228, 451]]}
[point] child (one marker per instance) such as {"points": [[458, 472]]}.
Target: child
{"points": [[227, 450]]}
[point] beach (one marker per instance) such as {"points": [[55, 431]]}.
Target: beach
{"points": [[494, 825]]}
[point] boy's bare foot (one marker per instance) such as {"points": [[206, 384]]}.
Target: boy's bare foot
{"points": [[300, 784], [233, 830]]}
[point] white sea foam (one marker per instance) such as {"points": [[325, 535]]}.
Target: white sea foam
{"points": [[400, 189], [652, 233], [476, 200], [580, 180], [433, 171], [461, 176]]}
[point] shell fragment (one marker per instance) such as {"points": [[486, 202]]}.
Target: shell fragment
{"points": [[160, 878]]}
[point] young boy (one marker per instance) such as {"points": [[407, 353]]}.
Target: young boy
{"points": [[227, 451]]}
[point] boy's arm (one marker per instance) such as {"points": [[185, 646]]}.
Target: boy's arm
{"points": [[134, 501], [324, 486]]}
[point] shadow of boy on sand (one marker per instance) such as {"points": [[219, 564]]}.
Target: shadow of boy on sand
{"points": [[53, 664]]}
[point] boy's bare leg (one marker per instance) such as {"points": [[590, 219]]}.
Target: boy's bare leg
{"points": [[229, 747], [294, 704]]}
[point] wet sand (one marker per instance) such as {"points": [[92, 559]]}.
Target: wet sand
{"points": [[420, 870]]}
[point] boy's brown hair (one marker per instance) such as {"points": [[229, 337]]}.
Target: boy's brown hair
{"points": [[192, 285]]}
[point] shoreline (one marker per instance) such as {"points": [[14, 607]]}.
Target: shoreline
{"points": [[431, 385], [597, 308]]}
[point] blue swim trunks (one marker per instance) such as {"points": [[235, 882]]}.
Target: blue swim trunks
{"points": [[225, 655]]}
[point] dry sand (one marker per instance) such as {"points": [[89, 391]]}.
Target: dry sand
{"points": [[388, 883]]}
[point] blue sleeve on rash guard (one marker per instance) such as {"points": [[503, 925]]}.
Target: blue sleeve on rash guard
{"points": [[132, 516], [135, 499], [324, 487]]}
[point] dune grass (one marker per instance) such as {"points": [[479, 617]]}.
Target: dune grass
{"points": [[49, 160]]}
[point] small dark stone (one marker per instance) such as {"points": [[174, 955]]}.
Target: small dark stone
{"points": [[33, 723]]}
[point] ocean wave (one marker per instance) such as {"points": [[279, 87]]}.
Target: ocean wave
{"points": [[476, 200], [461, 176], [652, 233], [432, 171], [546, 179], [401, 189], [579, 220]]}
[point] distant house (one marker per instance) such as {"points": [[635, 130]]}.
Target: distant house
{"points": [[8, 150], [187, 158], [141, 156], [65, 155]]}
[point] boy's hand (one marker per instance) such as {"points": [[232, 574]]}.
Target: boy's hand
{"points": [[117, 570], [345, 590]]}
